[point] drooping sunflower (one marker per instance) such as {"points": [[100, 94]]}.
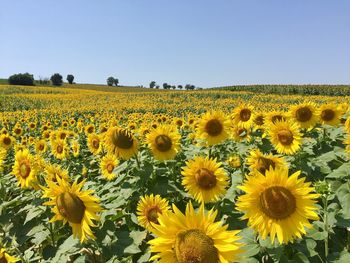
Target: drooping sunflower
{"points": [[274, 116], [149, 208], [204, 179], [193, 237], [213, 127], [94, 143], [330, 114], [6, 258], [259, 162], [285, 137], [239, 134], [305, 114], [6, 141], [73, 205], [54, 170], [25, 169], [121, 143], [276, 204], [59, 148], [108, 163], [75, 147], [243, 116], [164, 142]]}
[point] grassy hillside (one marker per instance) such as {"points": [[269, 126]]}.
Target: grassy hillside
{"points": [[3, 81]]}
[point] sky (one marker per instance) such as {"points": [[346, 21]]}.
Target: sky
{"points": [[200, 42]]}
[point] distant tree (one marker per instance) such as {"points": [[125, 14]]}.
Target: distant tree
{"points": [[192, 87], [21, 79], [152, 84], [179, 87], [110, 81], [157, 87], [187, 86], [165, 85], [70, 78], [116, 81], [173, 87], [56, 79]]}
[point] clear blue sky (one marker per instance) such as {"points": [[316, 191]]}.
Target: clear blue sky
{"points": [[205, 43]]}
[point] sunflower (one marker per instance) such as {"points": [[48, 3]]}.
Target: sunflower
{"points": [[204, 179], [6, 258], [279, 205], [40, 146], [6, 141], [94, 143], [73, 205], [164, 142], [285, 137], [239, 134], [213, 127], [179, 122], [17, 130], [330, 114], [193, 237], [59, 148], [149, 208], [305, 114], [259, 120], [90, 128], [121, 143], [275, 116], [24, 169], [243, 116], [3, 154], [108, 163], [259, 162], [54, 170], [234, 161]]}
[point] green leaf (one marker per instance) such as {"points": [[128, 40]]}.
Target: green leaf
{"points": [[343, 194]]}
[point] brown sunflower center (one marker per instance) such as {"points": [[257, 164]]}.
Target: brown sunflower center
{"points": [[213, 127], [63, 136], [163, 143], [122, 139], [18, 131], [3, 259], [70, 207], [96, 143], [41, 147], [205, 179], [194, 246], [7, 141], [59, 149], [259, 120], [285, 137], [264, 164], [152, 214], [245, 114], [303, 114], [277, 202], [327, 114], [179, 122], [24, 169], [90, 129], [110, 168]]}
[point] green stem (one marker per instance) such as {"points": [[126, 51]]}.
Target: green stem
{"points": [[138, 161], [52, 233]]}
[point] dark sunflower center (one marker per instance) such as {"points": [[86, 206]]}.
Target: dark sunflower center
{"points": [[277, 202], [245, 114], [63, 136], [205, 179], [18, 131], [327, 115], [277, 118], [70, 207], [3, 259], [95, 143], [7, 141], [303, 114], [59, 149], [259, 120], [90, 129], [285, 137], [41, 147], [110, 168], [179, 122], [194, 246], [242, 132], [265, 164], [152, 214], [213, 127], [122, 139], [163, 143], [24, 169]]}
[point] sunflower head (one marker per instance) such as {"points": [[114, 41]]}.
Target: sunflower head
{"points": [[243, 116], [330, 114], [25, 169], [6, 258], [121, 143], [108, 163], [305, 114]]}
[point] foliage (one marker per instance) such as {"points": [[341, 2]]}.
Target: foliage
{"points": [[21, 79], [56, 79]]}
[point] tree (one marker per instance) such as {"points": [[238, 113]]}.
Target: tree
{"points": [[152, 84], [173, 87], [157, 87], [179, 87], [116, 81], [187, 86], [21, 79], [110, 81], [165, 85], [56, 79], [70, 78]]}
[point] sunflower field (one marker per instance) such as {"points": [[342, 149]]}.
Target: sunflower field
{"points": [[92, 175]]}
